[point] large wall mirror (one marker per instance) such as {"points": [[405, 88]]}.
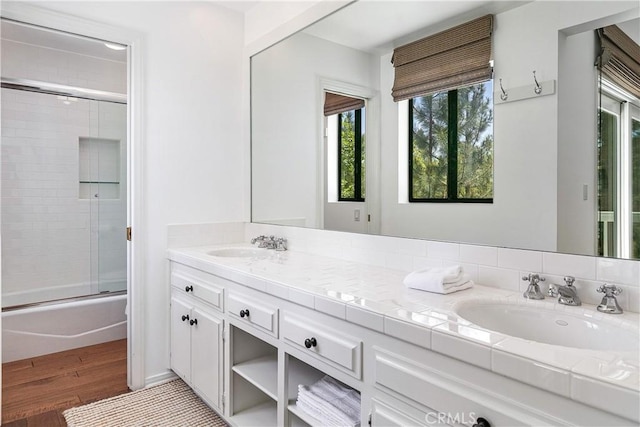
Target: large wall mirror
{"points": [[546, 192]]}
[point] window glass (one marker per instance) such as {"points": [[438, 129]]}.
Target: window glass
{"points": [[635, 188], [475, 141], [351, 155], [607, 185], [451, 150]]}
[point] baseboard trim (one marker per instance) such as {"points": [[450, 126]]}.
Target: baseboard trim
{"points": [[159, 379]]}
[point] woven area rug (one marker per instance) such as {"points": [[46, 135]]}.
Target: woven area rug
{"points": [[169, 404]]}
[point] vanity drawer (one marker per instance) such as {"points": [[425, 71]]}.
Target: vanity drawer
{"points": [[339, 350], [256, 313], [455, 400], [389, 412], [198, 284]]}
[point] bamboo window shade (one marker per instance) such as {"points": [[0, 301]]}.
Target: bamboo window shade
{"points": [[453, 58], [619, 58], [335, 104]]}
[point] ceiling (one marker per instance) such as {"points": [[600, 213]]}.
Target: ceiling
{"points": [[58, 40], [382, 31], [238, 5]]}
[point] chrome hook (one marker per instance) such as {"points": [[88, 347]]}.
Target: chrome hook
{"points": [[504, 94], [538, 88]]}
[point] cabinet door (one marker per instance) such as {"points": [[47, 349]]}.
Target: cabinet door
{"points": [[180, 339], [206, 356]]}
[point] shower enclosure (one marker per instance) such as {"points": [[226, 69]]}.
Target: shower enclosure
{"points": [[63, 196], [64, 190]]}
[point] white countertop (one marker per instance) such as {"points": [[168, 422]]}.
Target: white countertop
{"points": [[376, 298]]}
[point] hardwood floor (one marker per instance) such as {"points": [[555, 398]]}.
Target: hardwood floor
{"points": [[36, 391]]}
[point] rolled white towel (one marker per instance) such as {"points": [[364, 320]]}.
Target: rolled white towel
{"points": [[439, 280]]}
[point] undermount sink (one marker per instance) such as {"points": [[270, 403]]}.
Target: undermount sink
{"points": [[546, 325], [239, 253]]}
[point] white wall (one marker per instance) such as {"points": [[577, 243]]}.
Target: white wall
{"points": [[577, 107], [286, 136], [192, 131]]}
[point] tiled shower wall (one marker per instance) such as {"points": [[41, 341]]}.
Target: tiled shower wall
{"points": [[56, 244]]}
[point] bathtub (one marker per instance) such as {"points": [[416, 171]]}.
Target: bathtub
{"points": [[38, 330]]}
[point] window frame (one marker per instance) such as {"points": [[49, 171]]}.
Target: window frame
{"points": [[452, 155], [357, 158]]}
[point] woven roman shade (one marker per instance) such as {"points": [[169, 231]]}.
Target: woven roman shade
{"points": [[619, 58], [335, 104], [447, 60]]}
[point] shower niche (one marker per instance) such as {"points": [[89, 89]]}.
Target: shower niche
{"points": [[99, 168]]}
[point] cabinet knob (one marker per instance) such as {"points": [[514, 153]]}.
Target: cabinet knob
{"points": [[193, 322], [310, 342], [244, 313], [481, 422], [185, 317], [188, 288]]}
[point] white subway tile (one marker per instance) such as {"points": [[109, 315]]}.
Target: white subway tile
{"points": [[483, 255], [618, 270], [517, 259], [569, 265], [443, 250], [498, 278]]}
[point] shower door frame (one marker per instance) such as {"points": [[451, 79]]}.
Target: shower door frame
{"points": [[135, 207]]}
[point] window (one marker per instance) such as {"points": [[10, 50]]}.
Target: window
{"points": [[451, 145], [351, 156], [618, 175]]}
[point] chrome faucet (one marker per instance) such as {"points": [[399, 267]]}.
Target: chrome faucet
{"points": [[270, 242], [566, 294], [533, 291], [609, 302]]}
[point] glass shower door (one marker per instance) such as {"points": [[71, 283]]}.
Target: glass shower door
{"points": [[103, 181]]}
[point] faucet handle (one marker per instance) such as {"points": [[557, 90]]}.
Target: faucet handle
{"points": [[569, 280], [533, 278], [609, 290], [281, 244]]}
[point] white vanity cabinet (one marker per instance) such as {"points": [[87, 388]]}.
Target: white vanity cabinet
{"points": [[414, 386], [276, 342], [197, 337]]}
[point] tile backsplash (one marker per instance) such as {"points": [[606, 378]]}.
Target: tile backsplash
{"points": [[489, 266]]}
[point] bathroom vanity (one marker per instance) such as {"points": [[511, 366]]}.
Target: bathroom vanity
{"points": [[249, 325]]}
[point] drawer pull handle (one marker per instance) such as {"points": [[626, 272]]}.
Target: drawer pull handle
{"points": [[193, 322], [185, 317], [481, 422], [310, 342], [244, 313], [188, 288]]}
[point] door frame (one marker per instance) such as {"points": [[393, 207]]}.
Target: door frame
{"points": [[135, 191]]}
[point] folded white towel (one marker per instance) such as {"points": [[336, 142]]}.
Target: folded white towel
{"points": [[331, 402], [325, 412], [439, 280]]}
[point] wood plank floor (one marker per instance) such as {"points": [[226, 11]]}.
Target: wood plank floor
{"points": [[36, 391]]}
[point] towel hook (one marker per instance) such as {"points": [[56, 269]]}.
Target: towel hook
{"points": [[538, 88], [504, 94]]}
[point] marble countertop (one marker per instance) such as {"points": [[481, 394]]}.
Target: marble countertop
{"points": [[376, 298]]}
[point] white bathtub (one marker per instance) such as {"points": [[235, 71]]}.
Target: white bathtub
{"points": [[35, 331]]}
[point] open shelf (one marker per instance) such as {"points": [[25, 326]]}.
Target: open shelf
{"points": [[261, 372], [302, 416], [299, 372], [263, 414]]}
